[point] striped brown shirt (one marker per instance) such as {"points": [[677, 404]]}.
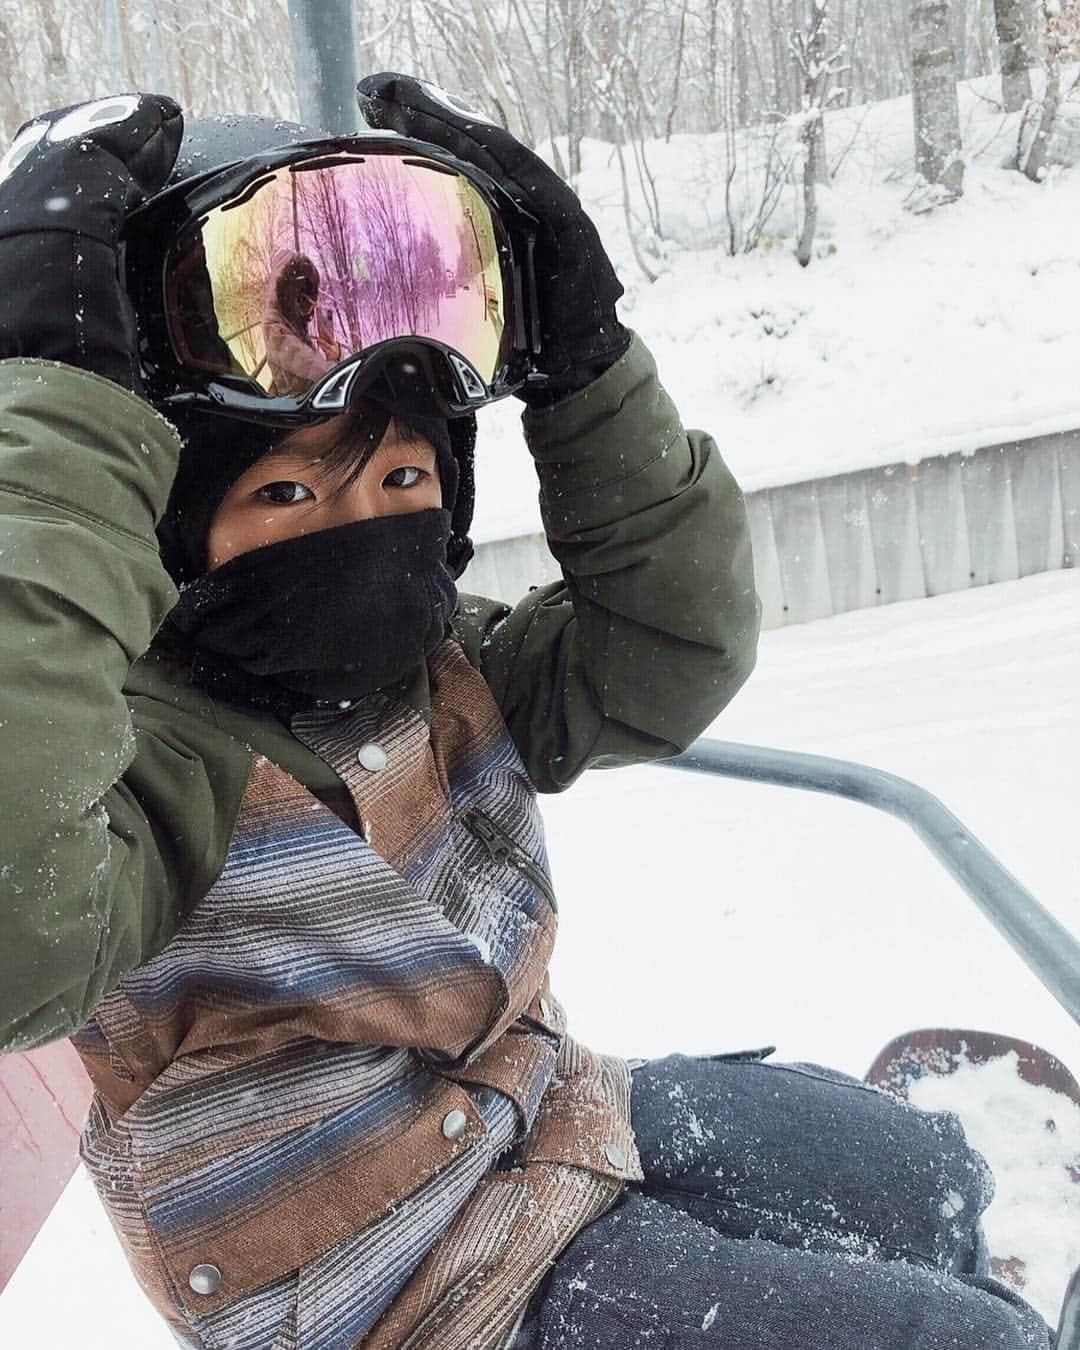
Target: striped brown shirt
{"points": [[340, 1107]]}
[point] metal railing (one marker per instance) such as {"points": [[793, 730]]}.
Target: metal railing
{"points": [[1044, 943]]}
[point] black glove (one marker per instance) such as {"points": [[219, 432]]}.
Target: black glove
{"points": [[581, 337], [66, 184]]}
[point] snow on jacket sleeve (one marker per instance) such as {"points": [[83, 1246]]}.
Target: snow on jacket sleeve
{"points": [[654, 626], [100, 846]]}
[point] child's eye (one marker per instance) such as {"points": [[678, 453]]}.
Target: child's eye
{"points": [[404, 477], [284, 493]]}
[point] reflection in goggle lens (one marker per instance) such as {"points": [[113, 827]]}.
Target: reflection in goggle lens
{"points": [[320, 260]]}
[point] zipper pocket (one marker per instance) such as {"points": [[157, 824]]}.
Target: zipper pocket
{"points": [[503, 849]]}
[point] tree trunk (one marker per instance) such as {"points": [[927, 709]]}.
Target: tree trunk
{"points": [[1062, 29], [938, 145], [53, 57], [571, 15], [156, 67], [817, 88], [129, 79], [676, 84], [507, 104], [808, 233], [1038, 156], [741, 38], [714, 117], [781, 100], [816, 68], [606, 34], [11, 114], [1016, 59]]}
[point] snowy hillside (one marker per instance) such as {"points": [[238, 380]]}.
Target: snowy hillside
{"points": [[910, 334], [747, 915]]}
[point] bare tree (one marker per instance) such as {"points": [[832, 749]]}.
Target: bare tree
{"points": [[1062, 19], [1016, 59], [938, 147], [11, 115], [819, 67], [54, 56]]}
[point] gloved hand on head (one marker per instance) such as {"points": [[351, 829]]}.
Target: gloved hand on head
{"points": [[67, 182], [578, 287]]}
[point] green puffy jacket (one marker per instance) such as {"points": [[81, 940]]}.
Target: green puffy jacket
{"points": [[121, 783]]}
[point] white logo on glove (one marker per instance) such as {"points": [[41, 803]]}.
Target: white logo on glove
{"points": [[20, 147], [455, 104], [103, 112]]}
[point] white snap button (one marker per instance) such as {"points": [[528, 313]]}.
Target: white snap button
{"points": [[205, 1279], [615, 1156], [454, 1124], [371, 757]]}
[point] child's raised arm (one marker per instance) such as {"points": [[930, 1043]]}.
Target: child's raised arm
{"points": [[655, 624], [93, 869]]}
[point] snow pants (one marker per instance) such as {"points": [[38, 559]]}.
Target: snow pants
{"points": [[784, 1207]]}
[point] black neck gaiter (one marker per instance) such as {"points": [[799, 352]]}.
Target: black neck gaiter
{"points": [[331, 615]]}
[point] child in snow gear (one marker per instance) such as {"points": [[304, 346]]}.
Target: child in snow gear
{"points": [[279, 870]]}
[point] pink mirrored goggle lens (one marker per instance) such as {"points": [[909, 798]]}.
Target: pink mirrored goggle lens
{"points": [[318, 261]]}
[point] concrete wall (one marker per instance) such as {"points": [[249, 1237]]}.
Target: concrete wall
{"points": [[868, 538]]}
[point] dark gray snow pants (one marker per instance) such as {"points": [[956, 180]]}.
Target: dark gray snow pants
{"points": [[784, 1207]]}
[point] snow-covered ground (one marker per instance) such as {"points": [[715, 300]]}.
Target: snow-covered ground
{"points": [[747, 915], [909, 335]]}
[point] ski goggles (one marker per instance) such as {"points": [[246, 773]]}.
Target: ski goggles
{"points": [[290, 283]]}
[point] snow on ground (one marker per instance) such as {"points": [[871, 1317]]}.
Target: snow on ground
{"points": [[742, 915], [910, 335]]}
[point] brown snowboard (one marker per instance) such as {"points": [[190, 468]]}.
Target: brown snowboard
{"points": [[940, 1051]]}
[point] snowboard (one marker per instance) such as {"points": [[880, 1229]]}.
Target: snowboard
{"points": [[940, 1052]]}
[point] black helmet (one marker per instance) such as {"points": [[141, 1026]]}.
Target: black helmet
{"points": [[218, 447]]}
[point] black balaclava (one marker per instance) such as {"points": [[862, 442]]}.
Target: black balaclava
{"points": [[217, 450], [327, 616]]}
